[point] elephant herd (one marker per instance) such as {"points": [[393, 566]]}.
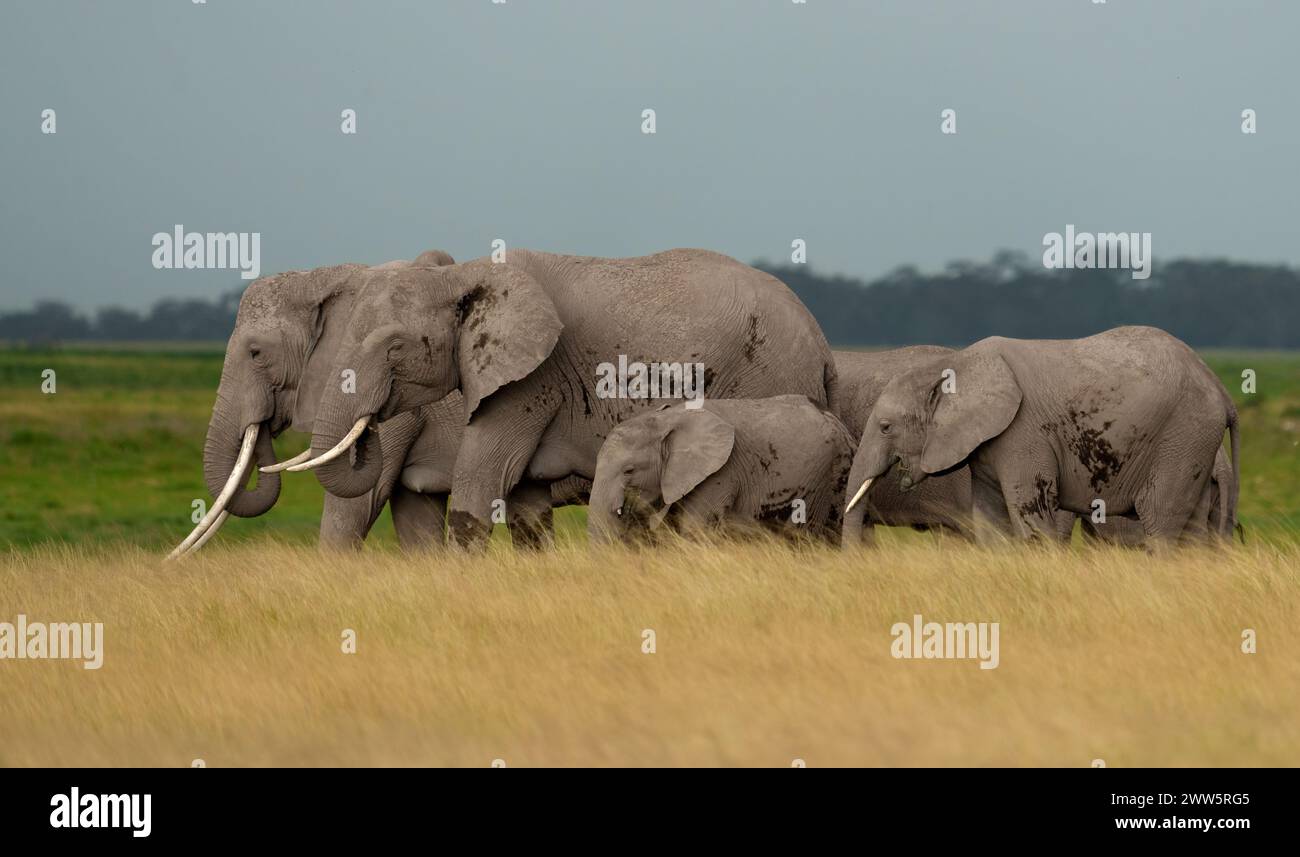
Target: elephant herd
{"points": [[463, 395]]}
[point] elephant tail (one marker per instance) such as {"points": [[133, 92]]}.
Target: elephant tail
{"points": [[831, 381], [1228, 509]]}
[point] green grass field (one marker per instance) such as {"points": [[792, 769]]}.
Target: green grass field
{"points": [[115, 453]]}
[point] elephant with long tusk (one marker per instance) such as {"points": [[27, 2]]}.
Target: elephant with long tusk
{"points": [[278, 361], [535, 342]]}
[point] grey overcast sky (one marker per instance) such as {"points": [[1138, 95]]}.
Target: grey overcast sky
{"points": [[522, 121]]}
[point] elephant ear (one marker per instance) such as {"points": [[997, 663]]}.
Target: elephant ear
{"points": [[984, 401], [697, 444], [508, 327], [327, 300]]}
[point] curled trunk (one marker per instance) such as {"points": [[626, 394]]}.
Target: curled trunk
{"points": [[355, 472], [220, 451]]}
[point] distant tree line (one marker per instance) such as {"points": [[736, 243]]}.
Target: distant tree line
{"points": [[170, 320], [1207, 303]]}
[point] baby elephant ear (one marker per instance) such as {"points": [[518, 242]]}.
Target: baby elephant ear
{"points": [[697, 444], [508, 327], [972, 404]]}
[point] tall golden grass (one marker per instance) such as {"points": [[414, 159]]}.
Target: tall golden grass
{"points": [[765, 654]]}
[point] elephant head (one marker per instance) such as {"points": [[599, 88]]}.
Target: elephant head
{"points": [[929, 420], [650, 462], [415, 335], [287, 330]]}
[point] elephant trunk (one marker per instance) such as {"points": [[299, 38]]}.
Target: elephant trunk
{"points": [[358, 469], [604, 523], [221, 450], [869, 462]]}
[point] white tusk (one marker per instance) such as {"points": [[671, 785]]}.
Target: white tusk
{"points": [[236, 479], [288, 462], [340, 448], [211, 531], [857, 496]]}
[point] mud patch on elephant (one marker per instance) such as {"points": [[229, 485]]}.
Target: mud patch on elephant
{"points": [[474, 305], [775, 516], [480, 353], [1093, 450], [466, 530], [753, 339], [1043, 503]]}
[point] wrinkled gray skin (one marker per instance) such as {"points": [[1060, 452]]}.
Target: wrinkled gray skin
{"points": [[943, 502], [1130, 416], [1127, 532], [732, 464], [522, 340], [279, 358]]}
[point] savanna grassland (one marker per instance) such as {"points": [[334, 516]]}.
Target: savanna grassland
{"points": [[764, 653]]}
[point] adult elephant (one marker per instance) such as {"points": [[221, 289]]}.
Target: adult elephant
{"points": [[532, 343], [278, 360], [1131, 417]]}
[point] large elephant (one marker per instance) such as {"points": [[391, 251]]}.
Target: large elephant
{"points": [[1131, 417], [779, 462], [941, 503], [278, 360], [534, 343]]}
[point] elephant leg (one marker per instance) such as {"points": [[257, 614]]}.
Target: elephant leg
{"points": [[990, 510], [345, 522], [1167, 503], [1198, 529], [419, 519], [1032, 505], [528, 512], [710, 507], [495, 451]]}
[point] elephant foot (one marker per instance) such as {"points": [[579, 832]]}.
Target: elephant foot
{"points": [[467, 531]]}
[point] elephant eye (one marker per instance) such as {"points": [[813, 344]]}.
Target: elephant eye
{"points": [[884, 426]]}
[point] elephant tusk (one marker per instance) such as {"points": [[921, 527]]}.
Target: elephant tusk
{"points": [[857, 496], [237, 476], [211, 531], [339, 448], [287, 463]]}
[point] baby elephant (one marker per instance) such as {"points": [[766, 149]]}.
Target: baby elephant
{"points": [[1130, 417], [779, 462]]}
